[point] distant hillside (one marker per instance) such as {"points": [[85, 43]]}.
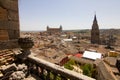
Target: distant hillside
{"points": [[110, 31]]}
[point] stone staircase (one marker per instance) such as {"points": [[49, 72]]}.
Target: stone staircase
{"points": [[6, 56]]}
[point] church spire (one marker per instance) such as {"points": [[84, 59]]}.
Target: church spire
{"points": [[95, 24], [95, 19], [95, 35]]}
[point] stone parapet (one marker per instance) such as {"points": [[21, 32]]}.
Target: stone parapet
{"points": [[64, 74]]}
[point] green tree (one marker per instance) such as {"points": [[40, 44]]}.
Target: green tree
{"points": [[88, 69], [69, 64]]}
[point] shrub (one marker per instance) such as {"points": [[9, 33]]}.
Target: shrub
{"points": [[88, 69], [69, 64]]}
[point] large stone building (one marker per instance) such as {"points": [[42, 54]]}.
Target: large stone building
{"points": [[95, 33], [54, 30], [9, 19]]}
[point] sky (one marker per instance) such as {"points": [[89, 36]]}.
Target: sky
{"points": [[71, 14]]}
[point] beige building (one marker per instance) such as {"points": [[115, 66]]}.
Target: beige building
{"points": [[54, 30]]}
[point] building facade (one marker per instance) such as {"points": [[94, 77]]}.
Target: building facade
{"points": [[9, 20], [54, 30], [95, 33]]}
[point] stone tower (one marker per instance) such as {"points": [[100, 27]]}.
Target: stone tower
{"points": [[47, 28], [61, 28], [9, 20], [95, 34]]}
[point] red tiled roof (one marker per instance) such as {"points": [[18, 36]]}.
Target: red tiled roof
{"points": [[78, 55]]}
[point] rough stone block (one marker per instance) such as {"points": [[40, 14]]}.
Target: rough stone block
{"points": [[13, 34], [4, 25], [9, 4], [9, 44], [13, 25], [4, 35], [3, 14], [8, 68], [13, 15]]}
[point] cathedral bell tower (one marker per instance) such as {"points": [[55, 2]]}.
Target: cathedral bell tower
{"points": [[95, 33]]}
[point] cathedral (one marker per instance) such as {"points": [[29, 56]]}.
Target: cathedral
{"points": [[95, 33], [54, 30]]}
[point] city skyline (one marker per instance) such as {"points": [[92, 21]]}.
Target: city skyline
{"points": [[71, 14]]}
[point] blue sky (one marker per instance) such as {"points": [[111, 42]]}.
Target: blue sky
{"points": [[71, 14]]}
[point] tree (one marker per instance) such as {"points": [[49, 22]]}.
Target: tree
{"points": [[88, 69]]}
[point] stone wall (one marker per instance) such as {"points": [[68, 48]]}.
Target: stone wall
{"points": [[103, 71], [54, 30], [4, 35], [3, 14], [8, 44], [9, 19]]}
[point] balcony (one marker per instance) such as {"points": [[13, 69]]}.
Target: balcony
{"points": [[49, 71], [42, 69]]}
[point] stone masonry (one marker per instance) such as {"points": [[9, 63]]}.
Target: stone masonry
{"points": [[54, 30], [9, 19]]}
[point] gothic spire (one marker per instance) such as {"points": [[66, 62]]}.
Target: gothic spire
{"points": [[95, 19], [95, 35], [95, 24]]}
